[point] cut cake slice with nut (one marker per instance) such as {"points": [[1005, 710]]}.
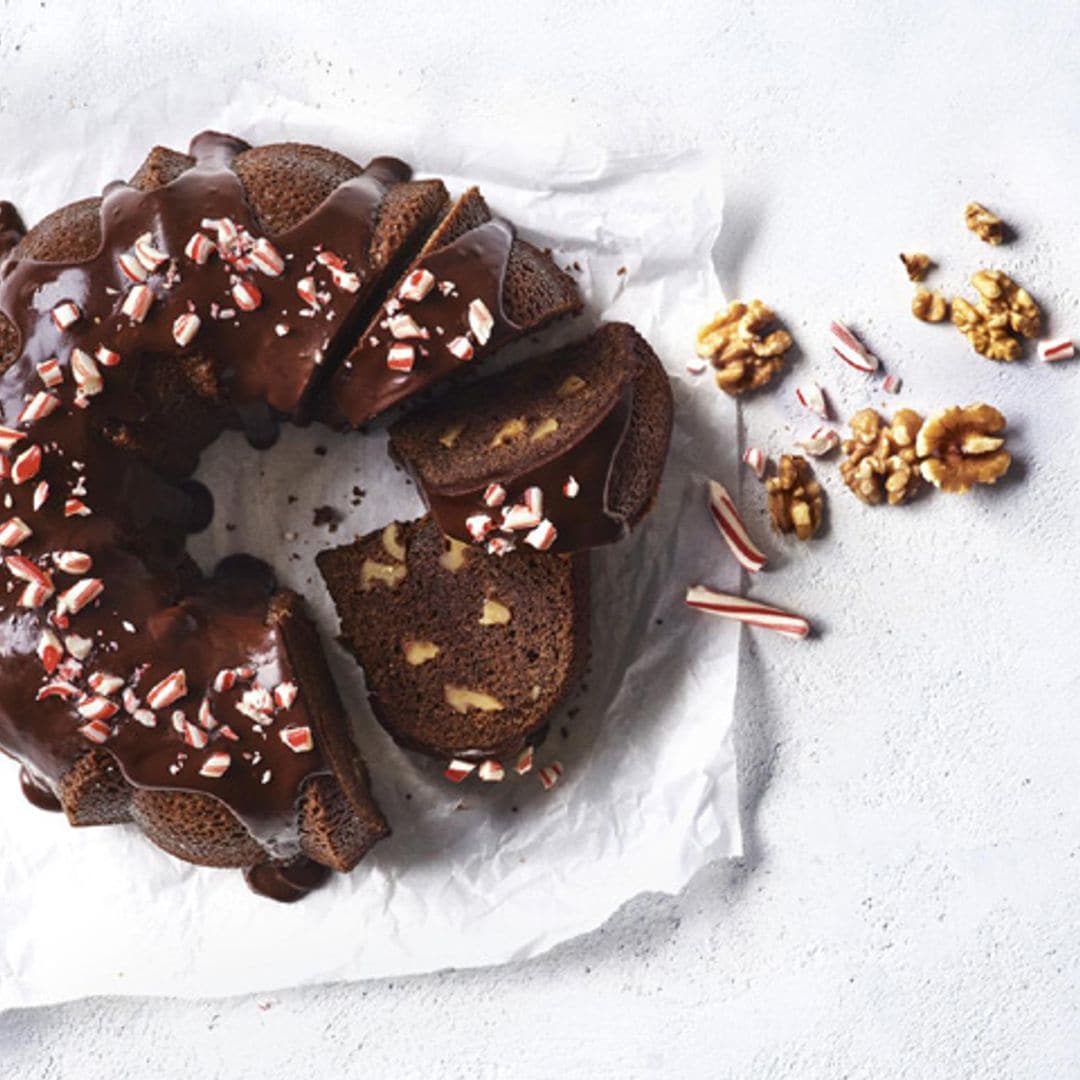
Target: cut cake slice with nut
{"points": [[465, 655], [563, 452]]}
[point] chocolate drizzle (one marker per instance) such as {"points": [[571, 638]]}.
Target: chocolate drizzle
{"points": [[89, 498], [583, 521], [470, 268]]}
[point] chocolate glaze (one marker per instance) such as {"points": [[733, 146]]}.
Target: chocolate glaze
{"points": [[144, 626], [475, 264], [582, 522], [286, 882], [37, 793]]}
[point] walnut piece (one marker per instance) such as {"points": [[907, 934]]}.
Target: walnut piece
{"points": [[453, 558], [571, 386], [546, 427], [419, 652], [1003, 310], [461, 699], [745, 357], [512, 429], [881, 463], [929, 306], [451, 435], [391, 542], [963, 446], [917, 264], [987, 226], [373, 573], [494, 613], [796, 501]]}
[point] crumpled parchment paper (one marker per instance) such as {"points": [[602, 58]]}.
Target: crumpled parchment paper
{"points": [[474, 874]]}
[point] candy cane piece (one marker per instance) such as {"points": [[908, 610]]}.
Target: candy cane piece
{"points": [[850, 349], [812, 397], [1056, 349], [755, 457], [751, 612], [733, 530]]}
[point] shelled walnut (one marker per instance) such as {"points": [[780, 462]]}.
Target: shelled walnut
{"points": [[986, 225], [1003, 310], [929, 306], [881, 463], [744, 355], [917, 264], [796, 501], [963, 446]]}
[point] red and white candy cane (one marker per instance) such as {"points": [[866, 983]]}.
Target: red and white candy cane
{"points": [[755, 457], [891, 384], [1056, 349], [812, 397], [820, 442], [747, 611], [850, 349], [550, 775], [733, 530], [457, 770]]}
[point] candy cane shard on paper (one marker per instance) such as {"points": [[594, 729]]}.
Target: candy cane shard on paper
{"points": [[754, 457], [850, 349], [728, 520], [1056, 349], [751, 612], [820, 442], [811, 397]]}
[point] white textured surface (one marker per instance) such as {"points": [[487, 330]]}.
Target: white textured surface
{"points": [[909, 905]]}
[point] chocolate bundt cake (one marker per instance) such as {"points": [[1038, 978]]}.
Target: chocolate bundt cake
{"points": [[465, 655], [212, 290], [473, 288], [562, 452]]}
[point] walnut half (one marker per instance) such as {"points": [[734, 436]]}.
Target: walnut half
{"points": [[917, 264], [929, 306], [796, 501], [745, 357], [1003, 310], [881, 463], [986, 225], [963, 446]]}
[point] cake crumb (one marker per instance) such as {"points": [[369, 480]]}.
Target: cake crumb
{"points": [[327, 515]]}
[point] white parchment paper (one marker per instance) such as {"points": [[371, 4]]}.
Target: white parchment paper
{"points": [[473, 874]]}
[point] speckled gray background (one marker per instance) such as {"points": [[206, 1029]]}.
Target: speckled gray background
{"points": [[908, 906]]}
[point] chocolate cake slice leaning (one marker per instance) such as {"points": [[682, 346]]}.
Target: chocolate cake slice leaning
{"points": [[465, 656], [561, 453], [473, 288]]}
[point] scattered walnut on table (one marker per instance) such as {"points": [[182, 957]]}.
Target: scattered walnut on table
{"points": [[917, 264], [929, 306], [881, 463], [1003, 310], [744, 355], [796, 501], [963, 446], [987, 226]]}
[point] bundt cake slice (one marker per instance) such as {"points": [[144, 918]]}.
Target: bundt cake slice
{"points": [[234, 750], [465, 656], [562, 452], [473, 288]]}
